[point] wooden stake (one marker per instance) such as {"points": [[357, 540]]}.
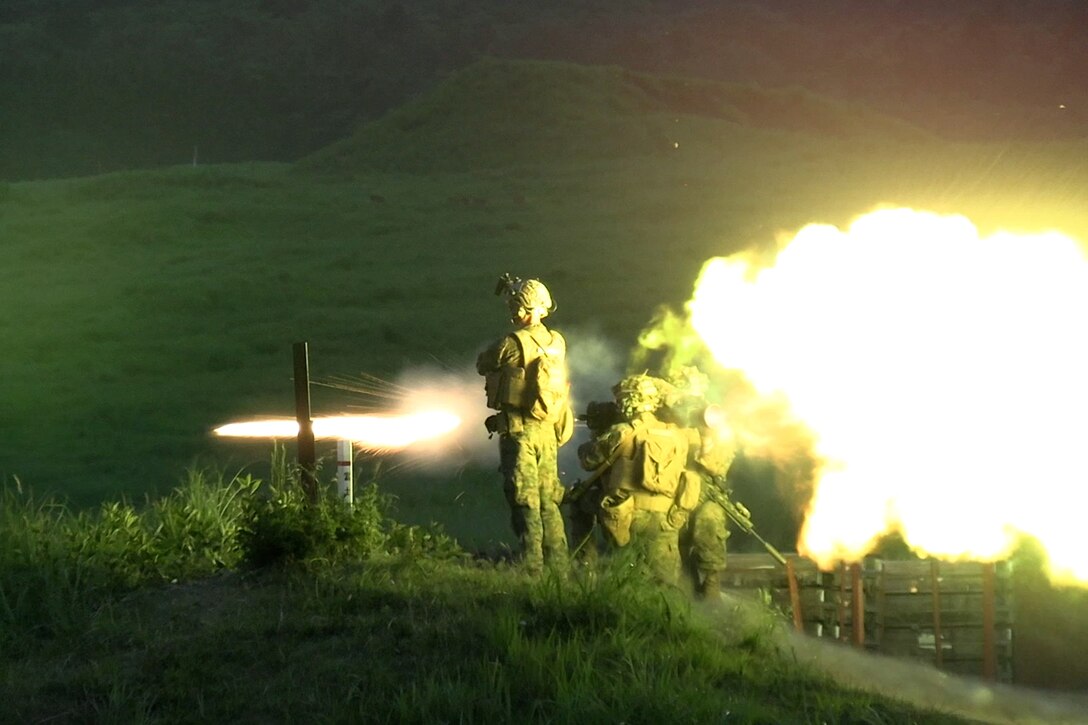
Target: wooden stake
{"points": [[842, 602], [989, 653], [795, 597], [307, 454], [935, 584], [858, 602]]}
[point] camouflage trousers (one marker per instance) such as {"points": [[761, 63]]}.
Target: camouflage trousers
{"points": [[702, 542], [527, 460], [657, 544]]}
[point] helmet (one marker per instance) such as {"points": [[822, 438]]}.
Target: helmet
{"points": [[532, 295], [639, 394]]}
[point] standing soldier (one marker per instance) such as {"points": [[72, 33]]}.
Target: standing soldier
{"points": [[525, 378], [643, 497], [703, 537]]}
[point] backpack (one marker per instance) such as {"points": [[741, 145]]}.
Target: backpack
{"points": [[547, 390], [664, 454]]}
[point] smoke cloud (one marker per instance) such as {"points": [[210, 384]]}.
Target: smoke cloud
{"points": [[461, 392]]}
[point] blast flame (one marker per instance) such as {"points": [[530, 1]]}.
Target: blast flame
{"points": [[376, 432], [945, 377]]}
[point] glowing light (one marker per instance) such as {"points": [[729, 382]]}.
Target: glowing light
{"points": [[384, 432], [945, 376]]}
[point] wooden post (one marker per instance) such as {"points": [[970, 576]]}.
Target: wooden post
{"points": [[307, 454], [795, 597], [989, 653], [935, 584], [842, 602], [858, 605]]}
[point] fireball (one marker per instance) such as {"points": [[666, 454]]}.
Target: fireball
{"points": [[942, 372]]}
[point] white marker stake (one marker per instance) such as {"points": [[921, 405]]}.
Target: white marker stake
{"points": [[345, 452]]}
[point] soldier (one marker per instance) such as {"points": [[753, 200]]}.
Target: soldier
{"points": [[703, 537], [643, 495], [526, 381]]}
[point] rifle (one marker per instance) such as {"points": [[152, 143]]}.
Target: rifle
{"points": [[741, 516], [581, 486]]}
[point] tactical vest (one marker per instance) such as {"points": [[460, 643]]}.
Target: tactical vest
{"points": [[539, 387]]}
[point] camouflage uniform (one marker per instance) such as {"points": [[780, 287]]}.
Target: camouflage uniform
{"points": [[703, 548], [703, 539], [527, 460]]}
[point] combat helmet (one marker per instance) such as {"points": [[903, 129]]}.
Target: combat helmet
{"points": [[526, 294], [640, 393]]}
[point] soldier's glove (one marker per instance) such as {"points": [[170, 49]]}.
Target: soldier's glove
{"points": [[491, 422]]}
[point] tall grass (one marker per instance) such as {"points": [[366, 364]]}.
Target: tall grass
{"points": [[58, 566]]}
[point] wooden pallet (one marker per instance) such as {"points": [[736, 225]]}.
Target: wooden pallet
{"points": [[956, 615]]}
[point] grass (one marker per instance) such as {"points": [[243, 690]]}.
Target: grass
{"points": [[382, 623]]}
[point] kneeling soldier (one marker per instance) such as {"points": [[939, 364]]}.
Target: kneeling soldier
{"points": [[642, 493]]}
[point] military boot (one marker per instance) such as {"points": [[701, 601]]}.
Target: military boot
{"points": [[711, 588]]}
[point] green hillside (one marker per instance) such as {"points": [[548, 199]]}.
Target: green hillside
{"points": [[148, 307], [542, 112]]}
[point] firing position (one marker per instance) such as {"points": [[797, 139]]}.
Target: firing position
{"points": [[526, 381]]}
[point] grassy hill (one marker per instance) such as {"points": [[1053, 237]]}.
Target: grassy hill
{"points": [[541, 112], [154, 305]]}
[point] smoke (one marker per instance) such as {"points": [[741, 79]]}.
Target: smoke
{"points": [[460, 392], [596, 364]]}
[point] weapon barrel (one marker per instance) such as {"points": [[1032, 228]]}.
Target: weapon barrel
{"points": [[743, 520]]}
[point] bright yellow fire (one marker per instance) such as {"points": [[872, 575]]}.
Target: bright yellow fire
{"points": [[945, 376], [376, 432]]}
